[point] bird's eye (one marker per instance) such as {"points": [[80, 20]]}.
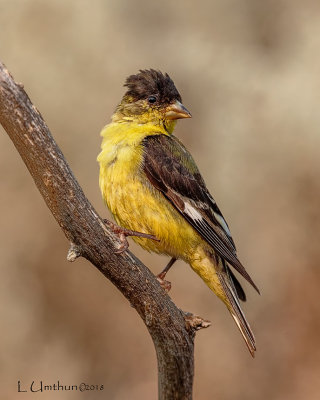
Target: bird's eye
{"points": [[152, 99]]}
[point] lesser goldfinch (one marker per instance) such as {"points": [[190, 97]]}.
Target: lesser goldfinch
{"points": [[151, 184]]}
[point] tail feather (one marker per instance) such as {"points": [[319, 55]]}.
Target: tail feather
{"points": [[236, 312], [238, 288]]}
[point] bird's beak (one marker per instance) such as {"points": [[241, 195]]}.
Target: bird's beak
{"points": [[176, 111]]}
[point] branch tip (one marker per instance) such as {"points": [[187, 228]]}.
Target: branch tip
{"points": [[74, 252], [195, 322]]}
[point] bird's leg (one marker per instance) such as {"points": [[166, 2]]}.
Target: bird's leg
{"points": [[123, 233], [166, 285], [163, 273]]}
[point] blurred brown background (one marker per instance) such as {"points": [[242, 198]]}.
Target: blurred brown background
{"points": [[249, 72]]}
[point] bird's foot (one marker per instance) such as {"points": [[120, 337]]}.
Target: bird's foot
{"points": [[166, 285], [123, 233]]}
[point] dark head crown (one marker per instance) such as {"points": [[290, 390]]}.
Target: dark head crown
{"points": [[152, 82]]}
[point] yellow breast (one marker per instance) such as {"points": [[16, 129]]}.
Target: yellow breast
{"points": [[133, 201]]}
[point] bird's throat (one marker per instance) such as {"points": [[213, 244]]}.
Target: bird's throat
{"points": [[147, 118]]}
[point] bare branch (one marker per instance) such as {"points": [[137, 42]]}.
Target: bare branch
{"points": [[172, 336]]}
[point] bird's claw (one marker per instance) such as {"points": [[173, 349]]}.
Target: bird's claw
{"points": [[166, 285], [123, 233], [124, 245]]}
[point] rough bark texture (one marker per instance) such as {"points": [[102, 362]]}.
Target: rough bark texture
{"points": [[172, 333]]}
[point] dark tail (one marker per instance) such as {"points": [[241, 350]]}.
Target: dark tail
{"points": [[235, 310]]}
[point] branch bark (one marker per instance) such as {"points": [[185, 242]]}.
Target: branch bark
{"points": [[171, 329]]}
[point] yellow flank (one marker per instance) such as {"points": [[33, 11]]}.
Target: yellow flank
{"points": [[137, 205]]}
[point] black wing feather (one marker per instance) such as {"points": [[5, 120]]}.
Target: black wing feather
{"points": [[168, 168]]}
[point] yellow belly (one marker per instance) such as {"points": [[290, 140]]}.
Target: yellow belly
{"points": [[137, 206]]}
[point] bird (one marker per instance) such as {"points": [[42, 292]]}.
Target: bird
{"points": [[156, 193]]}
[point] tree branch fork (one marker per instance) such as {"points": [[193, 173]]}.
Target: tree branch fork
{"points": [[171, 329]]}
